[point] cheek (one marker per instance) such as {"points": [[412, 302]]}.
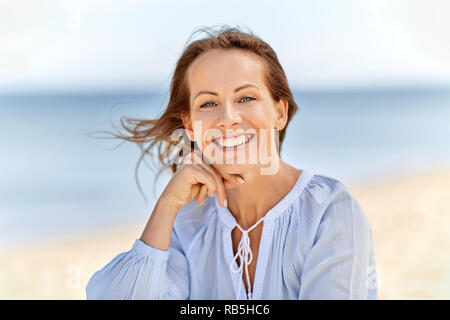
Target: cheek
{"points": [[260, 116], [202, 122]]}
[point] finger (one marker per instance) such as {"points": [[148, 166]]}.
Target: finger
{"points": [[194, 191], [200, 176], [232, 179], [202, 194], [228, 181], [230, 184], [220, 191], [211, 191]]}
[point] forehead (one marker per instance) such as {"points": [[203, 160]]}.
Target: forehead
{"points": [[220, 69]]}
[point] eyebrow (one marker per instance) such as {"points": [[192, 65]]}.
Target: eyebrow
{"points": [[235, 90]]}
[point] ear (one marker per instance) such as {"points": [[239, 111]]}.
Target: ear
{"points": [[187, 125], [281, 108]]}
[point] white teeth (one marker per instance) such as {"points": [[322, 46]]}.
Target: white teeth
{"points": [[232, 142]]}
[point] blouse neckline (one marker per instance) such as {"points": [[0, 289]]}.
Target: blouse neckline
{"points": [[228, 219]]}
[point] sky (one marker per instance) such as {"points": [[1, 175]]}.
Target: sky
{"points": [[98, 45]]}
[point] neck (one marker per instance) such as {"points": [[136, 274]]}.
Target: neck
{"points": [[251, 201]]}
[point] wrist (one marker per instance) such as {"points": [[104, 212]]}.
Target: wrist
{"points": [[168, 205], [157, 233]]}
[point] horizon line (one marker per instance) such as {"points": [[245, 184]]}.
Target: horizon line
{"points": [[157, 91]]}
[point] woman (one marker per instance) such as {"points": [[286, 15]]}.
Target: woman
{"points": [[226, 226]]}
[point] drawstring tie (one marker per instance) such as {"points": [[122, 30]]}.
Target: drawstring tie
{"points": [[245, 255]]}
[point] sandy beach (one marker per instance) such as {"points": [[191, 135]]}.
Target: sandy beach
{"points": [[409, 215]]}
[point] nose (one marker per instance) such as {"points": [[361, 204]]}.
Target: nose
{"points": [[228, 116]]}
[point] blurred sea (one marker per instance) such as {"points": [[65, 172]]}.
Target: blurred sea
{"points": [[57, 182]]}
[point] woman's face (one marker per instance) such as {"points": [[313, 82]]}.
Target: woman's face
{"points": [[232, 111]]}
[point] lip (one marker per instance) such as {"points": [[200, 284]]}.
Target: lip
{"points": [[234, 148], [230, 136]]}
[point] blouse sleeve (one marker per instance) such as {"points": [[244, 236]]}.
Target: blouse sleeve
{"points": [[341, 263], [142, 273]]}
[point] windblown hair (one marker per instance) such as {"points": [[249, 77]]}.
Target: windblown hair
{"points": [[152, 134]]}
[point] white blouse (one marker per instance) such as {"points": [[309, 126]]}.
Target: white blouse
{"points": [[316, 243]]}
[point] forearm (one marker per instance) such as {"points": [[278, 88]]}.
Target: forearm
{"points": [[158, 231]]}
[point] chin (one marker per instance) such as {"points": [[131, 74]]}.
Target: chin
{"points": [[234, 168]]}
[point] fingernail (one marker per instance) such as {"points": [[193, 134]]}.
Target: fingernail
{"points": [[225, 203], [241, 181]]}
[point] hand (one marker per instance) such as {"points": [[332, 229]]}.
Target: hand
{"points": [[195, 179]]}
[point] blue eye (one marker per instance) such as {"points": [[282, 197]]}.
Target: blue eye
{"points": [[205, 105], [248, 98], [211, 104]]}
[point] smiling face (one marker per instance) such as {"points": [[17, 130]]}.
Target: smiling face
{"points": [[230, 108]]}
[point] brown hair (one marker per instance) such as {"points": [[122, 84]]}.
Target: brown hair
{"points": [[157, 132]]}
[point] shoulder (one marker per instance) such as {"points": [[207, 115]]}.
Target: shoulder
{"points": [[327, 205], [192, 219], [322, 192]]}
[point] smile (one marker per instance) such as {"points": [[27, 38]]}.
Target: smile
{"points": [[233, 143]]}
